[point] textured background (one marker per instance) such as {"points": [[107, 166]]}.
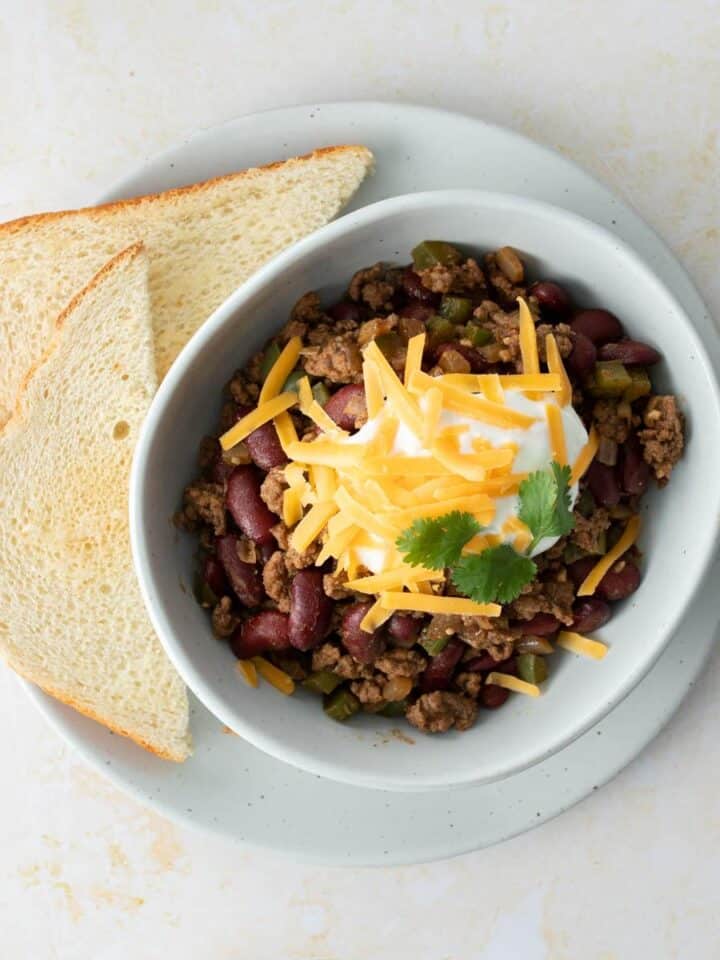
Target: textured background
{"points": [[632, 92]]}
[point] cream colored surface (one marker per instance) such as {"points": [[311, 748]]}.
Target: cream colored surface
{"points": [[632, 92]]}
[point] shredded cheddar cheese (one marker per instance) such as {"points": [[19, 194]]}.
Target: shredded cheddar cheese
{"points": [[586, 456], [577, 643], [556, 367], [274, 675], [248, 671], [513, 683], [435, 604], [590, 584], [557, 433], [528, 339], [280, 370], [256, 418]]}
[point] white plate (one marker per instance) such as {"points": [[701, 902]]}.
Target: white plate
{"points": [[231, 787]]}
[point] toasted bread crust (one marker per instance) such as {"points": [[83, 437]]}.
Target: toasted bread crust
{"points": [[92, 715], [107, 209]]}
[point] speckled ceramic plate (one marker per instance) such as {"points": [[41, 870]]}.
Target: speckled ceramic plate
{"points": [[232, 788]]}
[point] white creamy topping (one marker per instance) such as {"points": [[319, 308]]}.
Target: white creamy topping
{"points": [[533, 445]]}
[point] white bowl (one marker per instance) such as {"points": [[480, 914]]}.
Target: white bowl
{"points": [[678, 537]]}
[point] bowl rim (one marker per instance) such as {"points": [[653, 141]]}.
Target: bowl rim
{"points": [[174, 379]]}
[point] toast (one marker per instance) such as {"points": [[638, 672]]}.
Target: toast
{"points": [[71, 616], [202, 242]]}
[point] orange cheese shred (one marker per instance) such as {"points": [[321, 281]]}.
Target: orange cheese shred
{"points": [[528, 339], [556, 366], [585, 457], [557, 433], [630, 534]]}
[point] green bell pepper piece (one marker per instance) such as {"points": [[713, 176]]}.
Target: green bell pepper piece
{"points": [[531, 668], [610, 379], [322, 681], [340, 705], [430, 253], [640, 385], [272, 352], [455, 309]]}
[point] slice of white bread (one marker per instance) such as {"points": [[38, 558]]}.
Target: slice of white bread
{"points": [[203, 241], [71, 616]]}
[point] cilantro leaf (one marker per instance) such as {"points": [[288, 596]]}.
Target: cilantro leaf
{"points": [[545, 503], [498, 574], [437, 542]]}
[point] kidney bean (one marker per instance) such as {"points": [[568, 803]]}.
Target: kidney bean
{"points": [[617, 585], [590, 614], [438, 673], [248, 509], [578, 570], [541, 625], [403, 629], [221, 471], [477, 362], [310, 609], [630, 352], [480, 664], [267, 630], [346, 312], [417, 311], [492, 696], [582, 357], [267, 550], [554, 300], [346, 405], [635, 472], [363, 646], [214, 576], [244, 577], [264, 447], [600, 326], [413, 287], [603, 484]]}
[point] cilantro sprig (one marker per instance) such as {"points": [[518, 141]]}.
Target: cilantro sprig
{"points": [[437, 543], [497, 574]]}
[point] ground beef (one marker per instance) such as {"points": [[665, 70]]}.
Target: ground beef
{"points": [[588, 531], [203, 503], [439, 711], [663, 437], [330, 657], [470, 684], [276, 581], [506, 291], [282, 534], [480, 633], [555, 597], [453, 278], [207, 455], [612, 419], [242, 391], [224, 621], [401, 663], [325, 657], [338, 361], [334, 586], [368, 691], [348, 668], [377, 327], [374, 285], [307, 310], [505, 329], [295, 560], [273, 487], [246, 549]]}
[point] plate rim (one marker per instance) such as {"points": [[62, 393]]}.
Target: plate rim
{"points": [[659, 250]]}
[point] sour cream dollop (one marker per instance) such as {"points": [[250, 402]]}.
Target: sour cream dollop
{"points": [[534, 452]]}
